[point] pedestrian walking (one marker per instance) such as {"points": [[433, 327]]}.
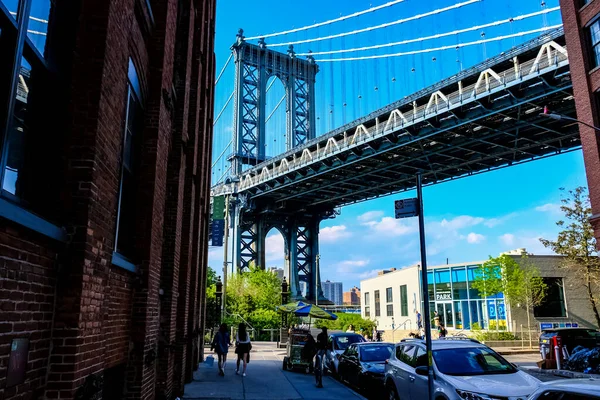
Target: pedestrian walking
{"points": [[442, 332], [436, 319], [220, 344], [242, 349], [419, 320], [322, 340]]}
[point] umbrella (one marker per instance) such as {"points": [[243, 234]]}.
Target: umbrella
{"points": [[301, 309]]}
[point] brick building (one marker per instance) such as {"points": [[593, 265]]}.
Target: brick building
{"points": [[581, 19], [105, 136], [352, 297]]}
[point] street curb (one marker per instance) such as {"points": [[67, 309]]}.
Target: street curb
{"points": [[515, 352], [562, 373]]}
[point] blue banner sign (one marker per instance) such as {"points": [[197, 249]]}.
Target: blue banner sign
{"points": [[217, 229], [546, 326]]}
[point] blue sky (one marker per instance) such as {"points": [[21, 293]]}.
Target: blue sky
{"points": [[467, 219]]}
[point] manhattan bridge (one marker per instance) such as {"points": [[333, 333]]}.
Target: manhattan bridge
{"points": [[483, 118]]}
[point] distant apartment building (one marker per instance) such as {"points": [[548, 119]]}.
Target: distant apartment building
{"points": [[352, 297], [277, 271], [333, 291]]}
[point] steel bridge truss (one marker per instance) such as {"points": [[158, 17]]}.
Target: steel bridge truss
{"points": [[482, 119], [255, 65]]}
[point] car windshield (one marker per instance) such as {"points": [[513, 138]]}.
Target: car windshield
{"points": [[471, 361], [373, 353], [342, 342]]}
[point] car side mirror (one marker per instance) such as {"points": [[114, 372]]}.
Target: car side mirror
{"points": [[423, 371]]}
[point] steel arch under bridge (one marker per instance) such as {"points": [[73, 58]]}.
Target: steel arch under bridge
{"points": [[484, 118]]}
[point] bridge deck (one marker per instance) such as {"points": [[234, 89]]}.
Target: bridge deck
{"points": [[485, 118]]}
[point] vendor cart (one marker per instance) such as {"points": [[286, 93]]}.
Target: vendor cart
{"points": [[295, 355]]}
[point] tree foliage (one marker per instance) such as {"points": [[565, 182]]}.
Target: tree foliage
{"points": [[520, 282], [344, 320], [577, 243]]}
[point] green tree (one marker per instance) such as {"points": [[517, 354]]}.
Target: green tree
{"points": [[520, 282], [212, 314], [576, 242]]}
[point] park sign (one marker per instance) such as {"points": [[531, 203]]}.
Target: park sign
{"points": [[406, 208], [217, 228], [218, 207]]}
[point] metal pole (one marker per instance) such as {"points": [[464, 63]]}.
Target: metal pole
{"points": [[424, 289], [317, 281], [225, 245]]}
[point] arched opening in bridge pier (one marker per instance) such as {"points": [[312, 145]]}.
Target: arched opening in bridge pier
{"points": [[275, 252], [275, 118]]}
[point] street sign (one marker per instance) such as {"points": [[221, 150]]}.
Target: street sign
{"points": [[218, 207], [545, 325], [217, 229], [406, 208]]}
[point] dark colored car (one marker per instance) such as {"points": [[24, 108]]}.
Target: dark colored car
{"points": [[362, 365], [337, 344], [570, 338]]}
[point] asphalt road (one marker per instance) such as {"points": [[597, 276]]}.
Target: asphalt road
{"points": [[527, 363]]}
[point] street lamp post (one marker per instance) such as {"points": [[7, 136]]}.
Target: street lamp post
{"points": [[284, 300], [218, 295], [559, 117]]}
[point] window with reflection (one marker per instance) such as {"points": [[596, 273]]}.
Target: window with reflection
{"points": [[125, 235], [459, 284]]}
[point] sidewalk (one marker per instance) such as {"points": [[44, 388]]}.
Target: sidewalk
{"points": [[265, 380]]}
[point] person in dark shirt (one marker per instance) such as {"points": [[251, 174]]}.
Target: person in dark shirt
{"points": [[321, 352], [310, 348]]}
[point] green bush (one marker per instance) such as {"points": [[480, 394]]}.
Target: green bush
{"points": [[490, 336], [344, 320]]}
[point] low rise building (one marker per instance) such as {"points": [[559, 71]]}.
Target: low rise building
{"points": [[392, 298], [352, 297]]}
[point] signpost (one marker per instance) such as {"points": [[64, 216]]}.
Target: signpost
{"points": [[412, 208]]}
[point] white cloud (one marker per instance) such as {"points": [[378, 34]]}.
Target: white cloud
{"points": [[333, 233], [392, 227], [493, 222], [351, 266], [475, 238], [460, 222], [549, 207], [508, 239], [370, 216], [274, 249], [369, 274]]}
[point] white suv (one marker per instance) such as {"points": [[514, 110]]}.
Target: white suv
{"points": [[463, 369]]}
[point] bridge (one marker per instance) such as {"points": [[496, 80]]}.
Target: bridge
{"points": [[484, 118]]}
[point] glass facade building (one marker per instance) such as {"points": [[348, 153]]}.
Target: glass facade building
{"points": [[458, 305]]}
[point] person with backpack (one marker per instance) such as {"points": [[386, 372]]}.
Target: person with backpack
{"points": [[220, 344], [243, 347]]}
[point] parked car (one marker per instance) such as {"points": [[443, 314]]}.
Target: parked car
{"points": [[568, 389], [464, 369], [570, 338], [362, 365], [337, 344]]}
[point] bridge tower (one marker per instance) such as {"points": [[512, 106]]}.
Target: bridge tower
{"points": [[254, 65]]}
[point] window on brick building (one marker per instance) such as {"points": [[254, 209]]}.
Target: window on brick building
{"points": [[594, 30], [125, 235], [27, 156]]}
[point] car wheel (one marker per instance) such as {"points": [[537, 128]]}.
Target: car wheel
{"points": [[392, 394], [284, 364]]}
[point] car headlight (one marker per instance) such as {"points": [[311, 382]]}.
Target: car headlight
{"points": [[475, 396]]}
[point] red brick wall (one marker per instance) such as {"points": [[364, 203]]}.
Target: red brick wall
{"points": [[585, 80], [117, 316], [28, 273]]}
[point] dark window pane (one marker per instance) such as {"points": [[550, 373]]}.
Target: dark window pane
{"points": [[390, 310], [459, 283], [375, 353], [421, 358], [388, 295], [403, 301], [377, 304], [12, 6], [554, 302], [471, 361], [38, 23]]}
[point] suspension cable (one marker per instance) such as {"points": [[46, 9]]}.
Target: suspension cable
{"points": [[224, 173], [275, 109], [331, 21], [222, 153], [223, 109], [223, 69], [436, 36], [453, 46], [372, 28]]}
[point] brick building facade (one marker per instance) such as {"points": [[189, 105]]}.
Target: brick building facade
{"points": [[581, 19], [352, 297], [106, 114]]}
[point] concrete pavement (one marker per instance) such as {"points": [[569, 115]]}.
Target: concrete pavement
{"points": [[265, 380]]}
